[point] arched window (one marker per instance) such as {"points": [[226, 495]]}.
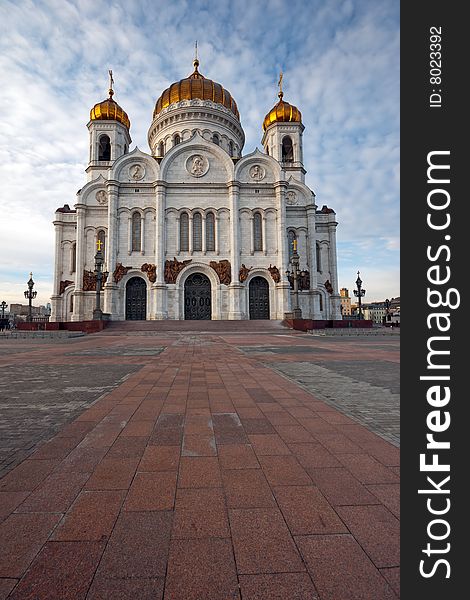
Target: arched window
{"points": [[257, 231], [267, 150], [104, 149], [291, 237], [71, 302], [73, 261], [126, 149], [210, 232], [318, 257], [184, 232], [101, 238], [197, 232], [287, 150], [161, 149], [231, 149], [216, 139], [176, 139], [136, 231], [320, 297]]}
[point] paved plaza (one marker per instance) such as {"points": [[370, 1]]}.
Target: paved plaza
{"points": [[229, 461]]}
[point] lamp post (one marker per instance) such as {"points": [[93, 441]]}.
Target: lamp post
{"points": [[295, 274], [3, 305], [359, 293], [387, 306], [30, 295], [99, 261]]}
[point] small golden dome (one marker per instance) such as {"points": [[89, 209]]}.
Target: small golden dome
{"points": [[196, 86], [282, 112], [109, 110]]}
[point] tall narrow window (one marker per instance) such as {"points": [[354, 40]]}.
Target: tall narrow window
{"points": [[258, 232], [287, 150], [71, 302], [161, 149], [318, 257], [321, 302], [136, 230], [102, 238], [231, 149], [216, 139], [210, 232], [73, 262], [291, 237], [104, 149], [184, 232], [176, 139], [197, 232]]}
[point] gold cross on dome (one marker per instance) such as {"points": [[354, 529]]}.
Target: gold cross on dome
{"points": [[279, 83], [99, 243]]}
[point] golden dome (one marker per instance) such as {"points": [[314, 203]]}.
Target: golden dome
{"points": [[109, 110], [196, 86], [282, 112]]}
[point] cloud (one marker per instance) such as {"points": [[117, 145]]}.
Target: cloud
{"points": [[341, 68]]}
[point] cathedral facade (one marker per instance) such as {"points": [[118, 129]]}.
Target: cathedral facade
{"points": [[195, 229]]}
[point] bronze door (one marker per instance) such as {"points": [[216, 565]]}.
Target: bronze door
{"points": [[259, 298], [136, 299], [197, 297]]}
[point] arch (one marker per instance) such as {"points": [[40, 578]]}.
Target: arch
{"points": [[216, 139], [287, 149], [258, 294], [184, 232], [197, 297], [197, 232], [257, 232], [161, 149], [210, 232], [176, 139], [136, 299], [136, 230], [104, 147]]}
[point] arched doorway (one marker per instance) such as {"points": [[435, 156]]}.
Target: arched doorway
{"points": [[259, 298], [197, 297], [136, 299]]}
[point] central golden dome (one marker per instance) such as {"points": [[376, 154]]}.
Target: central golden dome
{"points": [[196, 86]]}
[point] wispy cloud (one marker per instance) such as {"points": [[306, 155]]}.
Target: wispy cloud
{"points": [[341, 65]]}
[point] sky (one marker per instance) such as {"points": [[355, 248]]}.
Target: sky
{"points": [[340, 60]]}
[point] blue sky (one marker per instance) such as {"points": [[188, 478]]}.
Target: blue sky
{"points": [[340, 60]]}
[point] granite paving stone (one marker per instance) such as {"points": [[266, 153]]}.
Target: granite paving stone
{"points": [[262, 542], [341, 570], [201, 471]]}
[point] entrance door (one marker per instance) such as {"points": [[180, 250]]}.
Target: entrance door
{"points": [[259, 298], [136, 299], [197, 297]]}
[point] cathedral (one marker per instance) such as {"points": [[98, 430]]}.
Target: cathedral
{"points": [[195, 228]]}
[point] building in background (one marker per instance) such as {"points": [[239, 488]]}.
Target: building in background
{"points": [[345, 302]]}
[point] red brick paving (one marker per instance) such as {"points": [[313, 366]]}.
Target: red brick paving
{"points": [[204, 475]]}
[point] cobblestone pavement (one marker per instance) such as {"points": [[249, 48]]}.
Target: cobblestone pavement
{"points": [[205, 474]]}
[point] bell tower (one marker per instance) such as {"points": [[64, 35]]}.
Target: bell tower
{"points": [[282, 138], [109, 134]]}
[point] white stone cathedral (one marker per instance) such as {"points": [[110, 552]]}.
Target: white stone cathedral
{"points": [[195, 229]]}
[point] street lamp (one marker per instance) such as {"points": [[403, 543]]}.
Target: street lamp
{"points": [[359, 293], [99, 261], [30, 295], [294, 275], [387, 306], [3, 305]]}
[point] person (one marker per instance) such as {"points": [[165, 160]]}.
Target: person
{"points": [[198, 166]]}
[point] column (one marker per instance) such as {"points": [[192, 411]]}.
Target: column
{"points": [[79, 294], [190, 235], [283, 287], [252, 234], [216, 227], [57, 304], [159, 288], [263, 233], [335, 298], [203, 232], [312, 249], [236, 288], [110, 286], [142, 234]]}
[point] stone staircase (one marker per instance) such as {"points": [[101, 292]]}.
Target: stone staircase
{"points": [[149, 327]]}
